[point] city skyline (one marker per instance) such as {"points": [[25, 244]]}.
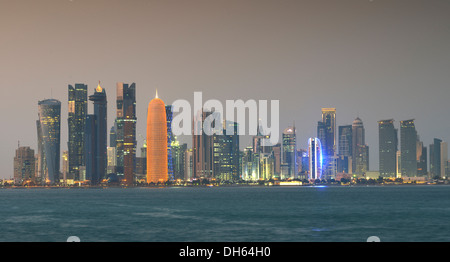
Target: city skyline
{"points": [[379, 61]]}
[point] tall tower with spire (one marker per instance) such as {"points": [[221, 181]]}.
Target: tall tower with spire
{"points": [[99, 136], [157, 164]]}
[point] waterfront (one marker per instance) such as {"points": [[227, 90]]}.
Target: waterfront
{"points": [[227, 214]]}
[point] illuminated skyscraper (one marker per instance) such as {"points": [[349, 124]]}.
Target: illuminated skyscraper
{"points": [[170, 138], [49, 139], [226, 153], [101, 134], [157, 170], [326, 132], [178, 158], [125, 126], [345, 149], [202, 148], [388, 144], [78, 108], [289, 152], [408, 148], [360, 151], [315, 158]]}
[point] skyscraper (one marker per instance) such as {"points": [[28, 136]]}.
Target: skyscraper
{"points": [[101, 134], [345, 149], [438, 158], [315, 158], [289, 152], [78, 108], [157, 170], [24, 165], [90, 149], [345, 140], [408, 148], [326, 132], [126, 113], [202, 148], [49, 139], [360, 151], [388, 144], [178, 158], [170, 138], [422, 167], [226, 154]]}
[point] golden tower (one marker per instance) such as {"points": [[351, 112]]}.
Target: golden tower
{"points": [[157, 170]]}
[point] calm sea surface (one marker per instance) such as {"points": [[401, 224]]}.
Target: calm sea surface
{"points": [[227, 214]]}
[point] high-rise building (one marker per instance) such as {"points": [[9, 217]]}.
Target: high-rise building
{"points": [[226, 153], [113, 136], [438, 158], [125, 125], [178, 158], [24, 165], [112, 159], [408, 148], [65, 166], [345, 140], [170, 138], [361, 161], [345, 155], [90, 149], [315, 159], [289, 152], [157, 170], [78, 108], [202, 148], [326, 132], [422, 168], [358, 147], [188, 165], [49, 140], [101, 134], [388, 144]]}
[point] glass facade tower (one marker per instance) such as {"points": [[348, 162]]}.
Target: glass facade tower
{"points": [[49, 139], [78, 108]]}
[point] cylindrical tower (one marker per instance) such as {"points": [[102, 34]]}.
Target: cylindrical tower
{"points": [[157, 164]]}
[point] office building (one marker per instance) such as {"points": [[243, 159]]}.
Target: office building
{"points": [[388, 145], [78, 109], [315, 159], [157, 171], [49, 140], [408, 148], [101, 134], [24, 165]]}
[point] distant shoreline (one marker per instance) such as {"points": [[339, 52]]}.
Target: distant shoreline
{"points": [[205, 186]]}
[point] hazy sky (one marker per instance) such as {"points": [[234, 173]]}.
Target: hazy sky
{"points": [[377, 59]]}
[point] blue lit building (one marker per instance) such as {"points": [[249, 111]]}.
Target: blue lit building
{"points": [[315, 159], [170, 138]]}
